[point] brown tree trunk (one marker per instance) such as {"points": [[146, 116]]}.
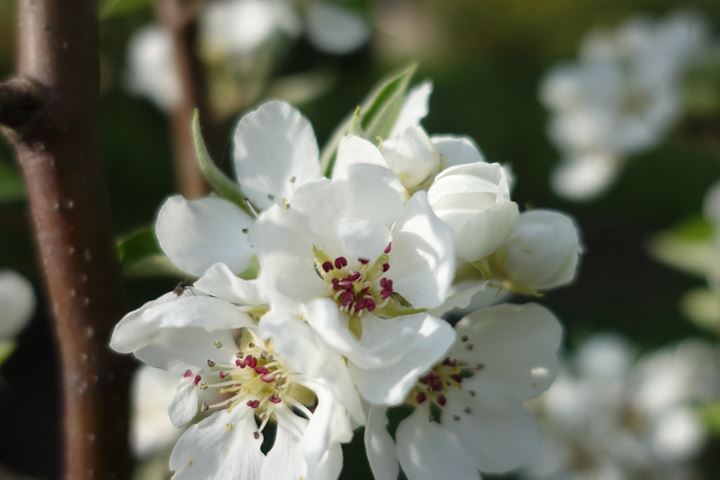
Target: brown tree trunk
{"points": [[179, 17], [50, 114]]}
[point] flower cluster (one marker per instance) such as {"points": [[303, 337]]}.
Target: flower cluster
{"points": [[619, 98], [607, 416], [319, 304]]}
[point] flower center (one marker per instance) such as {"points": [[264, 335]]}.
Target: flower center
{"points": [[359, 287], [256, 378], [434, 385]]}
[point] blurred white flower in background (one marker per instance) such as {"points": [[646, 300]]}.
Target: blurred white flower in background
{"points": [[693, 246], [152, 393], [619, 98], [609, 417], [17, 303], [232, 32]]}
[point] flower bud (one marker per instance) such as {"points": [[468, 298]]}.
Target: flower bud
{"points": [[542, 252], [412, 156], [474, 200]]}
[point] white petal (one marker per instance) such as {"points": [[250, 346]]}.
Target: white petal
{"points": [[421, 261], [469, 294], [374, 193], [195, 234], [17, 302], [414, 109], [457, 150], [428, 451], [212, 450], [362, 238], [305, 353], [372, 350], [178, 332], [379, 446], [274, 145], [497, 436], [285, 459], [412, 156], [585, 176], [334, 29], [678, 435], [516, 347], [220, 282], [184, 405], [152, 390], [390, 383], [355, 150], [285, 252], [152, 69], [328, 426]]}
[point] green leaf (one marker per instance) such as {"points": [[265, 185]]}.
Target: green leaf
{"points": [[12, 187], [220, 183], [140, 256], [376, 115], [116, 8], [688, 246], [702, 306]]}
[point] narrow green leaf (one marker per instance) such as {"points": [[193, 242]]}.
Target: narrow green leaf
{"points": [[12, 187], [376, 114], [220, 183], [140, 256], [687, 246], [116, 8]]}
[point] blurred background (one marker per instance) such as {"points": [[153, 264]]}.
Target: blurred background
{"points": [[487, 60]]}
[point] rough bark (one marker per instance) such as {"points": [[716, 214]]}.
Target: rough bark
{"points": [[179, 17], [50, 115]]}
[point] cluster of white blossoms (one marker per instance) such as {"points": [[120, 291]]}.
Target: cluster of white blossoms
{"points": [[619, 98], [344, 318], [608, 416], [17, 303], [232, 30]]}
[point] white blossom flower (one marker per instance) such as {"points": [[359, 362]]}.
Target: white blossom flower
{"points": [[151, 67], [619, 98], [335, 29], [152, 392], [606, 414], [233, 383], [17, 303], [468, 413], [359, 265], [275, 152], [541, 253]]}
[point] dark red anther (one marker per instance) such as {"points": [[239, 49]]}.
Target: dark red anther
{"points": [[457, 377], [370, 304], [340, 262], [420, 397], [353, 276], [346, 298], [364, 261], [240, 362], [261, 370], [197, 379], [336, 284], [253, 403], [441, 400], [388, 248], [251, 361], [222, 374], [275, 399], [268, 377], [327, 266], [187, 374], [386, 267]]}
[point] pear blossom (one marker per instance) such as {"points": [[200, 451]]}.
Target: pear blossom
{"points": [[359, 265], [151, 67], [541, 253], [233, 383], [607, 415], [467, 410], [17, 303], [620, 98], [275, 151], [152, 392]]}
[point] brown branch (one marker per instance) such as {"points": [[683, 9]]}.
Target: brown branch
{"points": [[179, 17], [56, 140]]}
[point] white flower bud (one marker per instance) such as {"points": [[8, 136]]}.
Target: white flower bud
{"points": [[412, 156], [543, 250], [17, 303], [474, 200]]}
